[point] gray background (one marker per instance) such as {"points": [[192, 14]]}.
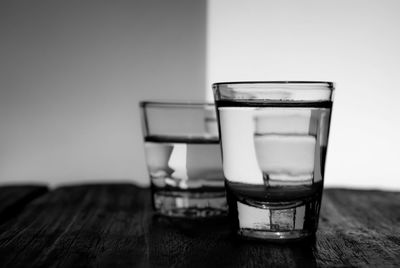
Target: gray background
{"points": [[71, 76]]}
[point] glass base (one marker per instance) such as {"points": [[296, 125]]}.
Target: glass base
{"points": [[274, 236], [274, 221], [181, 204]]}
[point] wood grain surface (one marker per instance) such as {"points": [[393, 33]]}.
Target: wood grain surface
{"points": [[14, 198], [113, 225]]}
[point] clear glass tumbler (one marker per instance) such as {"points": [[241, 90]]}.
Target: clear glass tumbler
{"points": [[183, 158], [274, 138]]}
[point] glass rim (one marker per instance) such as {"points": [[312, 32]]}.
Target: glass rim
{"points": [[174, 103], [329, 84], [274, 91]]}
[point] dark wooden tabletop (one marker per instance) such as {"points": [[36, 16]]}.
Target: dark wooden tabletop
{"points": [[114, 225]]}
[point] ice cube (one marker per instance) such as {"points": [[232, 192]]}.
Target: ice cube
{"points": [[300, 217], [282, 219], [253, 217], [237, 135], [289, 121], [177, 161], [285, 154], [157, 157]]}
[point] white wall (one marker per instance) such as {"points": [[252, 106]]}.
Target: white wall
{"points": [[353, 43], [72, 73]]}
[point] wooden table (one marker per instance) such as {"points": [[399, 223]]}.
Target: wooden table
{"points": [[114, 226]]}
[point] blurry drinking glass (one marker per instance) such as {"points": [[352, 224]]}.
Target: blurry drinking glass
{"points": [[183, 158]]}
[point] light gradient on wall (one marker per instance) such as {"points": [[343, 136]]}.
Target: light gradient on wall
{"points": [[72, 73], [353, 43]]}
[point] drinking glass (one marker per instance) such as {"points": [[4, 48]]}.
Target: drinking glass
{"points": [[274, 138], [183, 158]]}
